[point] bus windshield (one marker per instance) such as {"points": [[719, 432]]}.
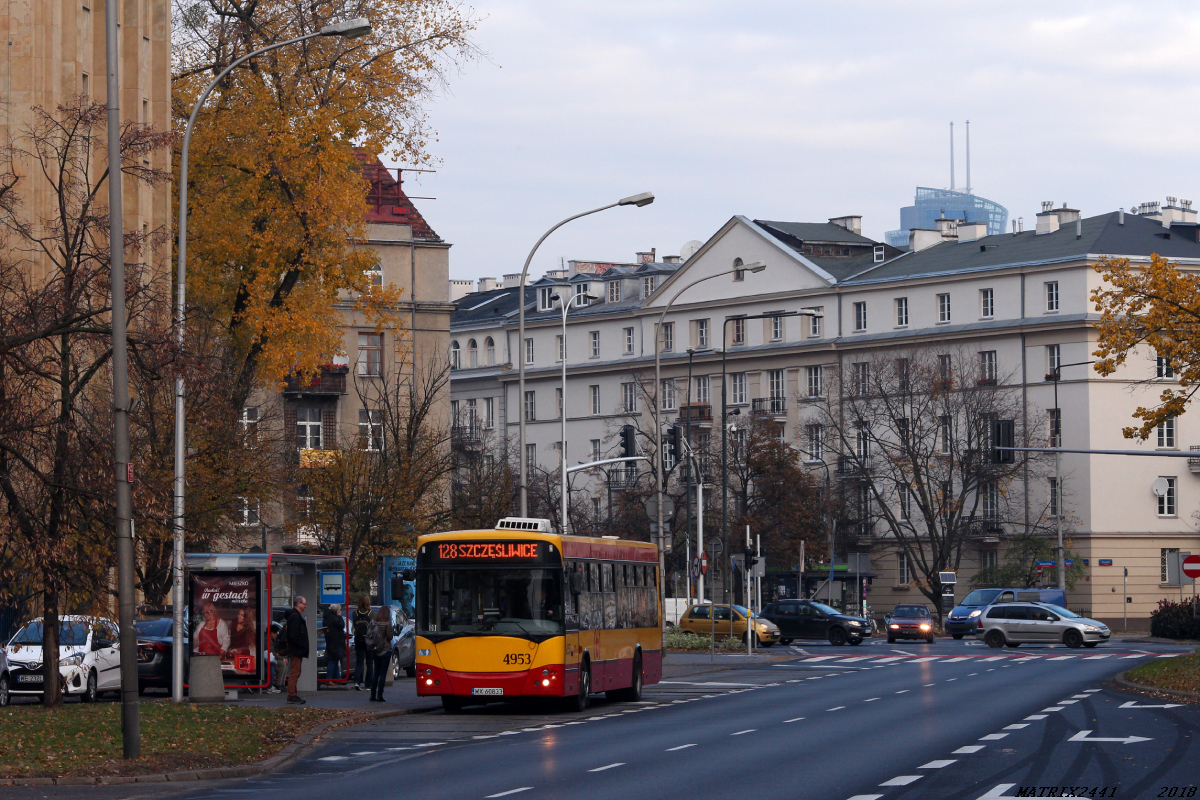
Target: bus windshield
{"points": [[496, 601]]}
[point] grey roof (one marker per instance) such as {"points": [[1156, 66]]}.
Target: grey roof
{"points": [[797, 234], [1103, 234], [816, 232], [483, 307]]}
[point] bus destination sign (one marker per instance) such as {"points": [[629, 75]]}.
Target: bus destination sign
{"points": [[462, 552]]}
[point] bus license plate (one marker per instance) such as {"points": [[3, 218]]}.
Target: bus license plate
{"points": [[32, 678], [489, 690]]}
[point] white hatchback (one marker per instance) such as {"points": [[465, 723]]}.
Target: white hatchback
{"points": [[89, 659]]}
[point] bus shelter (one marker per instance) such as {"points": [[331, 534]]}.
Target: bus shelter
{"points": [[234, 597]]}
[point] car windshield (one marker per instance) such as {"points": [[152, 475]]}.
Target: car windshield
{"points": [[492, 601], [825, 609], [980, 597], [70, 634], [745, 612], [1062, 612], [153, 627], [910, 611]]}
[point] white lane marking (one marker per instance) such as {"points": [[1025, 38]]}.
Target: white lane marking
{"points": [[1036, 716], [902, 691], [435, 744], [365, 753], [944, 762], [1130, 656], [1052, 708], [922, 660], [607, 766], [1132, 704], [1081, 696], [959, 658], [994, 658], [872, 700], [971, 748], [1096, 658], [951, 679], [866, 797], [991, 670], [835, 708], [510, 791], [1060, 658], [407, 748], [333, 758], [887, 660], [928, 684], [992, 737], [793, 719], [1083, 736], [1067, 702], [811, 660], [997, 792], [902, 780], [1090, 691], [1170, 655], [1016, 726], [707, 683], [748, 730], [680, 747], [855, 658]]}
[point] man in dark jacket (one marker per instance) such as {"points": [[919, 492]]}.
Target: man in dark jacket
{"points": [[335, 642], [296, 632]]}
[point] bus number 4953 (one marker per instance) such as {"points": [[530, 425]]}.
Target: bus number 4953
{"points": [[518, 658]]}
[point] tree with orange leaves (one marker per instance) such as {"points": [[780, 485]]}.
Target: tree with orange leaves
{"points": [[1154, 306]]}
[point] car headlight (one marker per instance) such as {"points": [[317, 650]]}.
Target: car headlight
{"points": [[72, 661], [895, 627], [925, 626], [1091, 628], [974, 614], [856, 623]]}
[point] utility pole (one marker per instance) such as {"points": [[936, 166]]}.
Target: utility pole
{"points": [[131, 738]]}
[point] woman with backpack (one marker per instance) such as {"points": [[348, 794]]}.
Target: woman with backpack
{"points": [[362, 662], [379, 646]]}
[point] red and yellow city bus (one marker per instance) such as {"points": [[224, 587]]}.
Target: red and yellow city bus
{"points": [[520, 611]]}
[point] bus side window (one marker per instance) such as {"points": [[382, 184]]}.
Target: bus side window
{"points": [[594, 576], [607, 573]]}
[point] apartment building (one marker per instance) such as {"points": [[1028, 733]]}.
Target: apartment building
{"points": [[1021, 300]]}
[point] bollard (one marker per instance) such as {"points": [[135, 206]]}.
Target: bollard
{"points": [[205, 682]]}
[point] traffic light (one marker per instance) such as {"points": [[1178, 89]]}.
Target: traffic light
{"points": [[673, 447], [1003, 435], [628, 445], [751, 558]]}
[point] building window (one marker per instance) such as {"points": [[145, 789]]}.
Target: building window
{"points": [[702, 334], [1166, 559], [987, 303], [490, 347], [1054, 416], [901, 312], [594, 392], [1165, 368], [739, 330], [879, 254], [905, 496], [902, 575], [247, 511], [945, 370], [987, 366], [815, 436], [902, 375], [860, 316], [472, 354], [737, 387], [649, 284], [668, 394], [703, 389], [304, 503], [455, 357], [561, 347], [814, 325], [943, 307], [595, 339], [989, 496], [776, 329], [370, 427], [988, 559], [815, 383], [1166, 503], [489, 413], [529, 350], [249, 424], [530, 406], [530, 456], [668, 336], [629, 341], [629, 397], [558, 401], [776, 383], [862, 377], [595, 449], [1053, 359], [546, 298], [1052, 295], [1053, 507], [1166, 434], [738, 274], [946, 436], [581, 294], [614, 291], [862, 444], [308, 428], [375, 274]]}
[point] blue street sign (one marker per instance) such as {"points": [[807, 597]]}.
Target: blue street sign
{"points": [[333, 588]]}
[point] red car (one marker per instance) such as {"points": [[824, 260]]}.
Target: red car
{"points": [[910, 622]]}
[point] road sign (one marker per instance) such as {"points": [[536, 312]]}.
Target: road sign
{"points": [[696, 567], [1106, 562], [652, 507], [704, 563], [1191, 566]]}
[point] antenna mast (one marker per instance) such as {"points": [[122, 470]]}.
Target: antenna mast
{"points": [[968, 156], [952, 156]]}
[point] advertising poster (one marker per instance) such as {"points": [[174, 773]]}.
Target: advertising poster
{"points": [[224, 608]]}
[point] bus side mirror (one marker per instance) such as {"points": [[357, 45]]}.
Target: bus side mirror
{"points": [[577, 582]]}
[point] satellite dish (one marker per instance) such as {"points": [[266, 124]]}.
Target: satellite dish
{"points": [[689, 249], [1160, 487]]}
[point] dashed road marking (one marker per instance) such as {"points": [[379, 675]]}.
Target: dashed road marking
{"points": [[365, 753], [902, 780], [971, 748], [793, 719], [1036, 716], [902, 691], [944, 762], [510, 791], [866, 797], [333, 758], [992, 737], [1016, 726], [1052, 708], [1060, 658], [835, 708], [956, 659], [748, 730], [607, 766], [872, 700], [680, 747]]}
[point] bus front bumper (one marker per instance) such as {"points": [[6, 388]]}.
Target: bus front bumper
{"points": [[542, 681]]}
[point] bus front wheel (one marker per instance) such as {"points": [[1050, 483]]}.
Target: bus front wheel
{"points": [[580, 701]]}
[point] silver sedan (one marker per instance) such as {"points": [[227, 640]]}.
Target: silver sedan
{"points": [[1014, 624]]}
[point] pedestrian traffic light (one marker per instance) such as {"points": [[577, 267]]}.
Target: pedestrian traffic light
{"points": [[674, 448], [628, 444], [1003, 436], [751, 558]]}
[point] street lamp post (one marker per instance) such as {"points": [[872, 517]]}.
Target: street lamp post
{"points": [[562, 412], [725, 424], [638, 200], [1058, 443], [350, 29]]}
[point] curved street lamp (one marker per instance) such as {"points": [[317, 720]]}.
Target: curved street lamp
{"points": [[638, 200], [349, 29]]}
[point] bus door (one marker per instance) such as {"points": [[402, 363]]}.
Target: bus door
{"points": [[575, 621]]}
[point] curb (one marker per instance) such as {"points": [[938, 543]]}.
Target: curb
{"points": [[1119, 680], [281, 759]]}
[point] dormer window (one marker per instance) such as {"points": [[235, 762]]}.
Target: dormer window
{"points": [[878, 254], [545, 298], [581, 291], [649, 284], [614, 291]]}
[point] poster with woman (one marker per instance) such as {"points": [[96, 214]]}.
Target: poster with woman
{"points": [[225, 620]]}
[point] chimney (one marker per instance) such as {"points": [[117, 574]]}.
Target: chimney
{"points": [[1047, 218], [460, 289], [647, 258], [512, 280], [970, 231], [923, 238], [487, 284], [948, 228], [1020, 224], [851, 222], [1066, 215], [1121, 216], [671, 259]]}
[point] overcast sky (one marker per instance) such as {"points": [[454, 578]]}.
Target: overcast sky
{"points": [[798, 111]]}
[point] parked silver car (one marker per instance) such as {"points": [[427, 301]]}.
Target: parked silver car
{"points": [[1014, 624]]}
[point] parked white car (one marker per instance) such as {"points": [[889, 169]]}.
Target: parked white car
{"points": [[89, 659]]}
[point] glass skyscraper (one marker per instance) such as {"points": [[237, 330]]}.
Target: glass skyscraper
{"points": [[932, 204]]}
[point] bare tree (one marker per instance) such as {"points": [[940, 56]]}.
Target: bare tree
{"points": [[485, 483]]}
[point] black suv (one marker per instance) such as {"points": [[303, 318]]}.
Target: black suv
{"points": [[805, 619]]}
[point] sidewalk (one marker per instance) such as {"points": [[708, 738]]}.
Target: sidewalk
{"points": [[401, 696]]}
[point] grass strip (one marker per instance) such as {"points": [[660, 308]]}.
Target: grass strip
{"points": [[85, 740], [1181, 674]]}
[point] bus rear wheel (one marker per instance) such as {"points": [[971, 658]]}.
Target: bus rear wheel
{"points": [[451, 705], [581, 700], [630, 694]]}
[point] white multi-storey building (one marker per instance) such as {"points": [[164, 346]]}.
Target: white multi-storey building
{"points": [[1021, 300]]}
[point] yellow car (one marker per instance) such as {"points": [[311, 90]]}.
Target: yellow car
{"points": [[707, 619]]}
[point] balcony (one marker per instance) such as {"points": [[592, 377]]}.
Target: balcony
{"points": [[622, 479], [850, 467], [1194, 463], [695, 413], [773, 406], [468, 434], [331, 381]]}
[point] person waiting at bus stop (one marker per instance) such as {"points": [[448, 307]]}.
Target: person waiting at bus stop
{"points": [[379, 644], [295, 629], [362, 662]]}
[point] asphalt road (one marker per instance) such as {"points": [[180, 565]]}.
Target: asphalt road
{"points": [[876, 722]]}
